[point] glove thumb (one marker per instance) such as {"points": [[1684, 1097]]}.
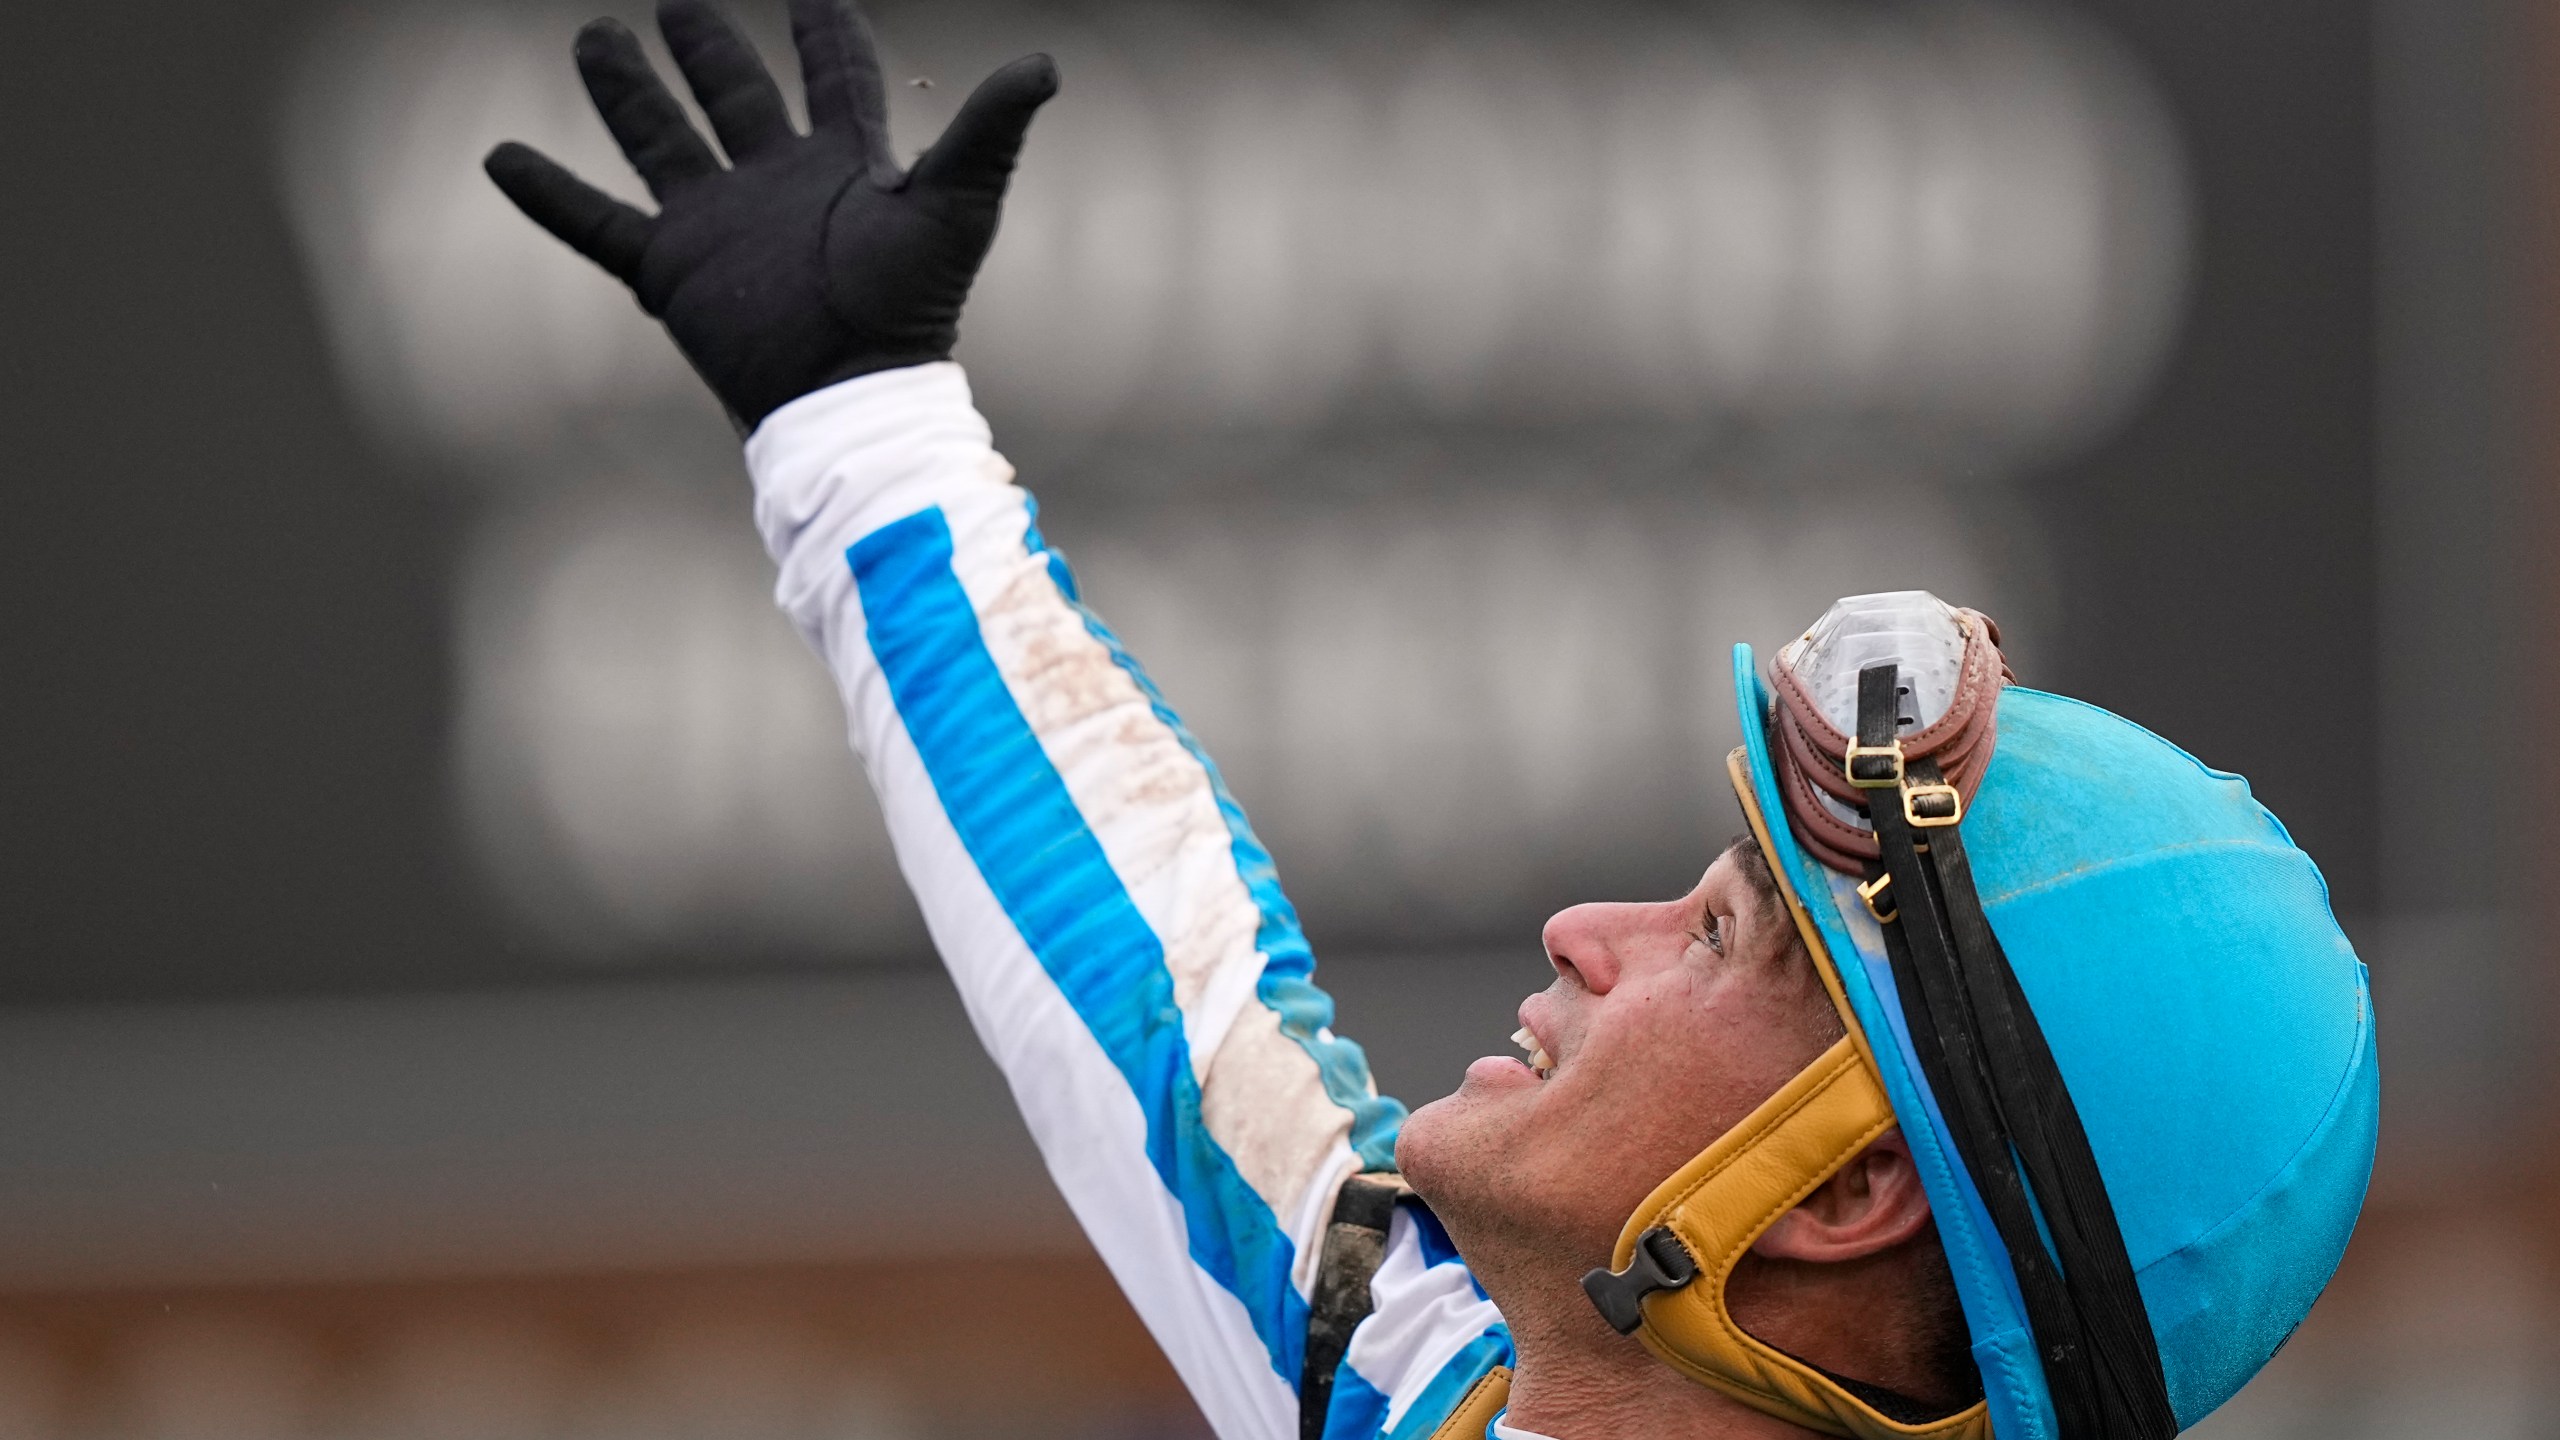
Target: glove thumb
{"points": [[975, 155]]}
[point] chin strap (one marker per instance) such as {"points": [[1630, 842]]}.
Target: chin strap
{"points": [[2002, 1095], [1666, 1281]]}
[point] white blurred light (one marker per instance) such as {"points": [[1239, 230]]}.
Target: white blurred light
{"points": [[1441, 694], [1968, 216], [449, 327], [1437, 711], [1436, 708], [650, 759]]}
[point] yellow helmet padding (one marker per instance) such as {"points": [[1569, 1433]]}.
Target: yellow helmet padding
{"points": [[1722, 1201], [1483, 1403]]}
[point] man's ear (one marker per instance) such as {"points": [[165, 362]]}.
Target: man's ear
{"points": [[1873, 1204]]}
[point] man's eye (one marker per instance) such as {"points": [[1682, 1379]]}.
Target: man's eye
{"points": [[1715, 932]]}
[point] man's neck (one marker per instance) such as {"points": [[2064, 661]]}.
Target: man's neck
{"points": [[1576, 1379]]}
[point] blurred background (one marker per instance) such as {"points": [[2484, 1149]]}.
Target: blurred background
{"points": [[453, 983]]}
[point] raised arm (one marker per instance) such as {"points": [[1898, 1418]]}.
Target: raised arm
{"points": [[1115, 929], [1112, 923]]}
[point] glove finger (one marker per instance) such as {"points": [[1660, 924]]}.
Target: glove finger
{"points": [[735, 89], [975, 155], [841, 67], [581, 216], [645, 119]]}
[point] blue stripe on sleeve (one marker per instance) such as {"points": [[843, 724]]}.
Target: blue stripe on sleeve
{"points": [[1021, 827], [1288, 983], [1450, 1386]]}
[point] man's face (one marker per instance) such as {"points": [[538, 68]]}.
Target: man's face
{"points": [[1667, 1023]]}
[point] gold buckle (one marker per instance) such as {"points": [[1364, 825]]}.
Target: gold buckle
{"points": [[1872, 891], [1931, 807], [1892, 750]]}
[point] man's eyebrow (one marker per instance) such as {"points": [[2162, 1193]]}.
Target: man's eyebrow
{"points": [[1745, 853], [1753, 861]]}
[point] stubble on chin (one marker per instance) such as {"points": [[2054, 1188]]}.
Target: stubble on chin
{"points": [[1436, 1150], [1462, 1155], [1515, 1220]]}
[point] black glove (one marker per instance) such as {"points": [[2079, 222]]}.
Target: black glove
{"points": [[813, 258]]}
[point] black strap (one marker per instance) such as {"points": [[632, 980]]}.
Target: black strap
{"points": [[1355, 1242], [1893, 1404], [2010, 1115]]}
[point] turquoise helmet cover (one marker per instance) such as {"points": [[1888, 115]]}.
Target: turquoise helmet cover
{"points": [[2212, 1023]]}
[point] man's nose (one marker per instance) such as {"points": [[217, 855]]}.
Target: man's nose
{"points": [[1587, 943]]}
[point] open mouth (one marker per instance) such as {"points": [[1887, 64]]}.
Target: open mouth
{"points": [[1539, 1060]]}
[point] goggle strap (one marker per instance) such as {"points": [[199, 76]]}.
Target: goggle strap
{"points": [[2003, 1096]]}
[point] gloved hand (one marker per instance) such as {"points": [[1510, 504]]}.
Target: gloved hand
{"points": [[811, 258]]}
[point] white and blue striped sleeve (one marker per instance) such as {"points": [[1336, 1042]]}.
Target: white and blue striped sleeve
{"points": [[1115, 929]]}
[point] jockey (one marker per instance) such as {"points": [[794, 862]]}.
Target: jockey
{"points": [[2009, 1077]]}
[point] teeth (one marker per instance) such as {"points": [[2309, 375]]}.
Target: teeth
{"points": [[1539, 1059]]}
